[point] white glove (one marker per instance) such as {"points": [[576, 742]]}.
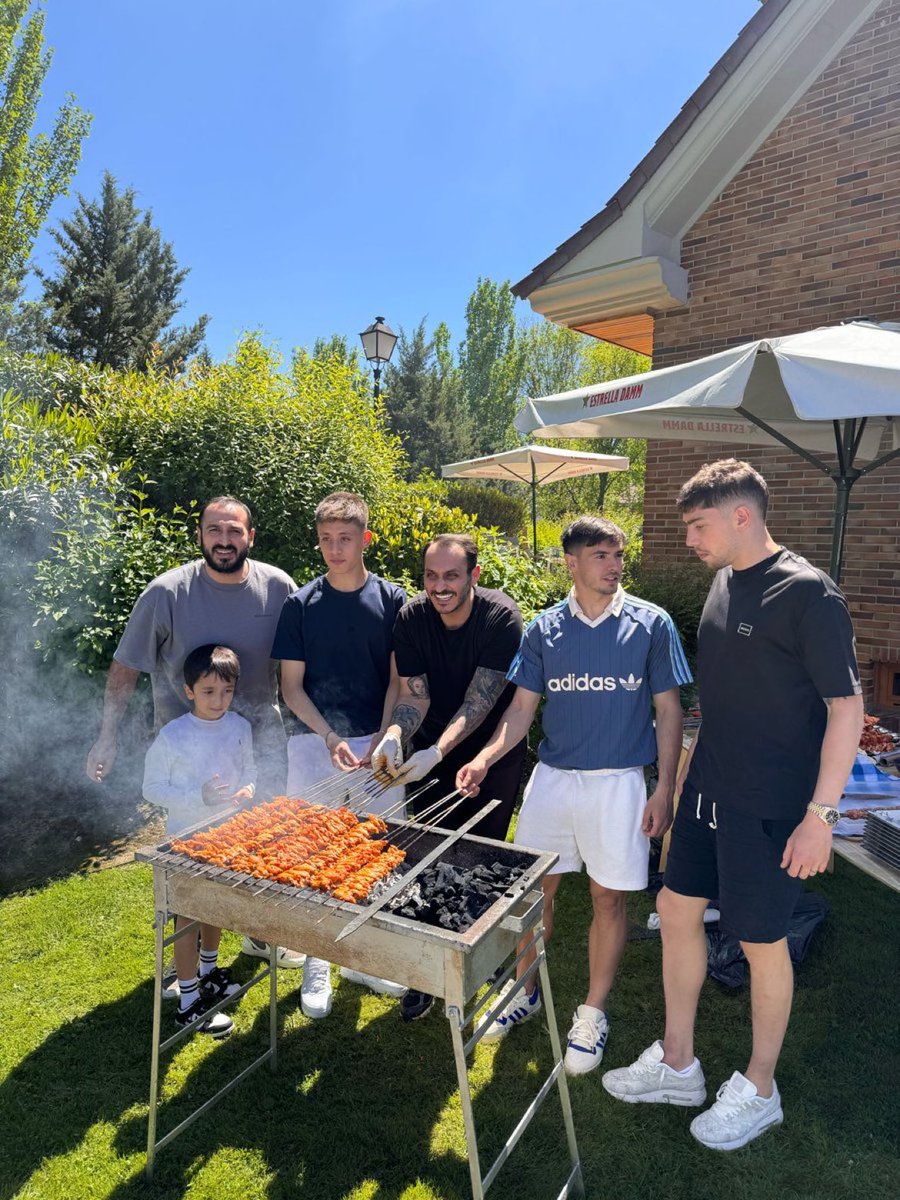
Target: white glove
{"points": [[420, 764], [387, 757]]}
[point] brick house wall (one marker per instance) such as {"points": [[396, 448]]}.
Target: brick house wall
{"points": [[807, 234]]}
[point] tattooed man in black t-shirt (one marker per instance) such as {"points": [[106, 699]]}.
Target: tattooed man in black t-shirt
{"points": [[782, 715], [453, 644]]}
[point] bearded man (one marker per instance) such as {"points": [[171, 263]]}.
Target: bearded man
{"points": [[453, 644], [224, 597]]}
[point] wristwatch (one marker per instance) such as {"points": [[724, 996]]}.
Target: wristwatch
{"points": [[830, 816]]}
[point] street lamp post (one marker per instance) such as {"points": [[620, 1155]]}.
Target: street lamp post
{"points": [[378, 342]]}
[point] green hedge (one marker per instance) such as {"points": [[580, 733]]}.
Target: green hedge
{"points": [[489, 506]]}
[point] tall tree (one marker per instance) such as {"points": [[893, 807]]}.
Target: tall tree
{"points": [[34, 168], [422, 399], [117, 287], [490, 364], [556, 360]]}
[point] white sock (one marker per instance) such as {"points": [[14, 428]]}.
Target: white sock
{"points": [[588, 1010], [687, 1070], [188, 991], [208, 961]]}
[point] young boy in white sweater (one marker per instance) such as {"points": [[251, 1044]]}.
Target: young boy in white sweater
{"points": [[200, 766]]}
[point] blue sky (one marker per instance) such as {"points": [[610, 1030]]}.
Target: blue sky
{"points": [[316, 164]]}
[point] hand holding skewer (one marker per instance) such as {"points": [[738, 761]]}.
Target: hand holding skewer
{"points": [[470, 777], [341, 754], [419, 765], [387, 757]]}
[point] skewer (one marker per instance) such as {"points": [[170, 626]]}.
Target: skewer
{"points": [[405, 880]]}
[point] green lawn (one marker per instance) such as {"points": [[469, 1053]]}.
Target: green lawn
{"points": [[363, 1107]]}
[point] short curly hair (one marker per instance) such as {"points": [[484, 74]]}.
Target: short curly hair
{"points": [[724, 482]]}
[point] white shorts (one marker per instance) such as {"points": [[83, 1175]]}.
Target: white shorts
{"points": [[590, 819], [309, 764]]}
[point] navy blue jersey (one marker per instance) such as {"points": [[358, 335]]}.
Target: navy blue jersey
{"points": [[598, 682], [345, 640]]}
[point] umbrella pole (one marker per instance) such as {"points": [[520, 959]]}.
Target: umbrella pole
{"points": [[843, 484], [533, 511]]}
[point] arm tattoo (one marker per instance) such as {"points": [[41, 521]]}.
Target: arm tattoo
{"points": [[418, 686], [481, 696], [408, 718]]}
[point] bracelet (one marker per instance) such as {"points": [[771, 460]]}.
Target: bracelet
{"points": [[329, 734]]}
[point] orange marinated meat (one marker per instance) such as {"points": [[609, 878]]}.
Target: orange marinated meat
{"points": [[291, 841]]}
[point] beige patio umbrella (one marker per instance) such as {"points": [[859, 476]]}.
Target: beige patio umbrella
{"points": [[831, 389], [535, 465]]}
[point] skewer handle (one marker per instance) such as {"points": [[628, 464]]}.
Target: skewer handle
{"points": [[407, 879]]}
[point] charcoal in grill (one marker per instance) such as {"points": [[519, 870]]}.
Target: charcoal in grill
{"points": [[452, 897]]}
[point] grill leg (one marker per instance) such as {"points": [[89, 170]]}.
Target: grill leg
{"points": [[575, 1177], [273, 1005], [159, 922], [455, 1017]]}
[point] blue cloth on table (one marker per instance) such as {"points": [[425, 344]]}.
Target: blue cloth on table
{"points": [[867, 787]]}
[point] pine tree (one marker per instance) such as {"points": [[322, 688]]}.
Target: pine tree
{"points": [[34, 169], [117, 287], [422, 400]]}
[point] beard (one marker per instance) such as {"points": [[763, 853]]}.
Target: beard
{"points": [[229, 568], [461, 599]]}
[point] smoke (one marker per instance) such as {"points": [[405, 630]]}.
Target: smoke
{"points": [[53, 820]]}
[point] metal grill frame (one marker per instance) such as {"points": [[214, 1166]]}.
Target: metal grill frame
{"points": [[450, 965]]}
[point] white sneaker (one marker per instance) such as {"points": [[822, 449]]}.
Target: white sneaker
{"points": [[315, 993], [518, 1009], [286, 960], [738, 1116], [587, 1037], [170, 987], [384, 987], [651, 1081]]}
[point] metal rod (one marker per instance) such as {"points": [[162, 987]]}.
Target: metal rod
{"points": [[273, 1005], [534, 487], [785, 441], [160, 921], [522, 1124], [173, 1133], [429, 858], [561, 1082]]}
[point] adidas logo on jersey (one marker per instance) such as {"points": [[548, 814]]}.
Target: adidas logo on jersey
{"points": [[631, 684], [581, 683]]}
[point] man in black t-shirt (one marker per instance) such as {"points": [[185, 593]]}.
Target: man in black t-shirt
{"points": [[454, 645], [782, 714]]}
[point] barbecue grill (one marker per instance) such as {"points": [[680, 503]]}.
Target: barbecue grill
{"points": [[450, 965]]}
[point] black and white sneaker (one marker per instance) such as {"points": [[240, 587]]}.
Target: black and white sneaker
{"points": [[217, 985], [217, 1026], [415, 1005]]}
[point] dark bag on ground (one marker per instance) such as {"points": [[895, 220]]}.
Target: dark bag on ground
{"points": [[725, 958]]}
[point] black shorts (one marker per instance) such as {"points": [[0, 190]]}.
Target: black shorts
{"points": [[716, 852]]}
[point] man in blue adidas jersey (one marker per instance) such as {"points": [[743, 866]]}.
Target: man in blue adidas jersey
{"points": [[598, 658]]}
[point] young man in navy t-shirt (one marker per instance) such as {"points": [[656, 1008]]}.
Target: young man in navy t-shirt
{"points": [[782, 714], [598, 658], [334, 641]]}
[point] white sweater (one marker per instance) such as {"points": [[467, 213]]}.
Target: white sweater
{"points": [[188, 752]]}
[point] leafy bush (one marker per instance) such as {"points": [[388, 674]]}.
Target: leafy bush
{"points": [[278, 441], [680, 588], [489, 506], [86, 587], [50, 380]]}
